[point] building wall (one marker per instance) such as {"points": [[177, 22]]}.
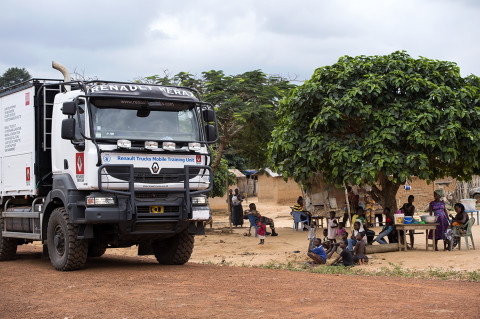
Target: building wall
{"points": [[423, 192], [275, 189]]}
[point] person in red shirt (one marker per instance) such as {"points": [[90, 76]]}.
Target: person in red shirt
{"points": [[262, 228]]}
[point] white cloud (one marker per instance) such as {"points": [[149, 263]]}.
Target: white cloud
{"points": [[122, 40]]}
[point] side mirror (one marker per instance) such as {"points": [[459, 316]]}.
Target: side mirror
{"points": [[208, 115], [69, 108], [68, 129], [210, 133]]}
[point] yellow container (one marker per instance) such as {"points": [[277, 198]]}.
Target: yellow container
{"points": [[399, 218]]}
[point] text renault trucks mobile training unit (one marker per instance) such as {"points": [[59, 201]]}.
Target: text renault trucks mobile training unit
{"points": [[91, 165]]}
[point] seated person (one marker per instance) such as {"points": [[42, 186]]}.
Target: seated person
{"points": [[335, 247], [357, 228], [298, 207], [387, 229], [409, 210], [268, 221], [317, 254], [360, 250], [461, 218], [345, 258]]}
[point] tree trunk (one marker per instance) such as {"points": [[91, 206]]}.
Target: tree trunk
{"points": [[387, 193], [220, 151]]}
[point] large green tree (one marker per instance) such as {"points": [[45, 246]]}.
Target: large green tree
{"points": [[246, 106], [380, 120], [13, 76]]}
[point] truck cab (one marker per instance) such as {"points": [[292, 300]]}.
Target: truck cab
{"points": [[130, 165]]}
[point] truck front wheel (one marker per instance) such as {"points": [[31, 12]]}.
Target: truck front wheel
{"points": [[175, 250], [65, 250], [8, 246]]}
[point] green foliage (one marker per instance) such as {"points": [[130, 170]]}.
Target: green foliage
{"points": [[385, 118], [219, 179], [245, 104], [13, 76]]}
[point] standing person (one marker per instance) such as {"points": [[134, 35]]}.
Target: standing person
{"points": [[353, 202], [230, 196], [437, 208], [318, 254], [408, 210], [332, 227], [311, 235], [237, 210], [268, 221], [369, 210], [261, 230]]}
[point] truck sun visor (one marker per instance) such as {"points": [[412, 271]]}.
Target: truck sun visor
{"points": [[140, 104]]}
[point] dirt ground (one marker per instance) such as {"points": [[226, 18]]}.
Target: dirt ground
{"points": [[137, 287], [123, 285], [219, 246]]}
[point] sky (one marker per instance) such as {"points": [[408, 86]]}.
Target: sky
{"points": [[125, 40]]}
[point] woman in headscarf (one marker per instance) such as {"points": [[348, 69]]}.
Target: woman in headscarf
{"points": [[237, 210], [437, 208]]}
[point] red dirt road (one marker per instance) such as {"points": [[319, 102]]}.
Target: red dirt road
{"points": [[127, 287]]}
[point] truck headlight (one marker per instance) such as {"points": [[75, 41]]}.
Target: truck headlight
{"points": [[168, 146], [194, 147], [101, 200], [124, 144], [199, 200], [149, 145]]}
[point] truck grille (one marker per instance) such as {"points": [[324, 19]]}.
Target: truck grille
{"points": [[151, 195], [143, 175], [166, 209]]}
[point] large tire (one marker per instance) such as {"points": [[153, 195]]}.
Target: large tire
{"points": [[8, 246], [175, 250], [65, 250], [96, 249]]}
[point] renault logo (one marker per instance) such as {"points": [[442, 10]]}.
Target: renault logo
{"points": [[155, 168]]}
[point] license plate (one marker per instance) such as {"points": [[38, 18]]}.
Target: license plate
{"points": [[156, 209]]}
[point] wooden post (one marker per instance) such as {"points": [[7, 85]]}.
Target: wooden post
{"points": [[228, 203], [348, 208]]}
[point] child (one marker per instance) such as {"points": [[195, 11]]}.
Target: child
{"points": [[325, 235], [262, 227], [311, 235], [317, 254], [332, 225], [359, 250], [341, 229], [345, 257]]}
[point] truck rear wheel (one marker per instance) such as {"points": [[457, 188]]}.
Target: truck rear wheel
{"points": [[8, 246], [96, 250], [65, 250], [175, 250]]}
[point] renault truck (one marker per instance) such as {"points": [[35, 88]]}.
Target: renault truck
{"points": [[91, 165]]}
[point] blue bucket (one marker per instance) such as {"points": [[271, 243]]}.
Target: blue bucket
{"points": [[407, 219]]}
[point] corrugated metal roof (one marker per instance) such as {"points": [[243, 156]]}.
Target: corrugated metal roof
{"points": [[236, 172]]}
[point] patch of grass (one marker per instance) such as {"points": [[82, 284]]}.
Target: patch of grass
{"points": [[394, 271]]}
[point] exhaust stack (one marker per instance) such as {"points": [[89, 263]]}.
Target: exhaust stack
{"points": [[66, 74]]}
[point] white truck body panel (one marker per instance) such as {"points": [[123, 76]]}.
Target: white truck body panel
{"points": [[17, 143]]}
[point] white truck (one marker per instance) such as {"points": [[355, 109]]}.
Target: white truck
{"points": [[88, 165]]}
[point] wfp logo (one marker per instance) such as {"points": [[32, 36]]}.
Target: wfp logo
{"points": [[107, 158]]}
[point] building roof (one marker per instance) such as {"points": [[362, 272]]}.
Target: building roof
{"points": [[236, 172], [271, 173]]}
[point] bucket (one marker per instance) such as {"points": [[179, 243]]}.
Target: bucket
{"points": [[407, 219], [469, 204], [399, 218]]}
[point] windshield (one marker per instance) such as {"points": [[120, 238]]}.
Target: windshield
{"points": [[145, 123]]}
